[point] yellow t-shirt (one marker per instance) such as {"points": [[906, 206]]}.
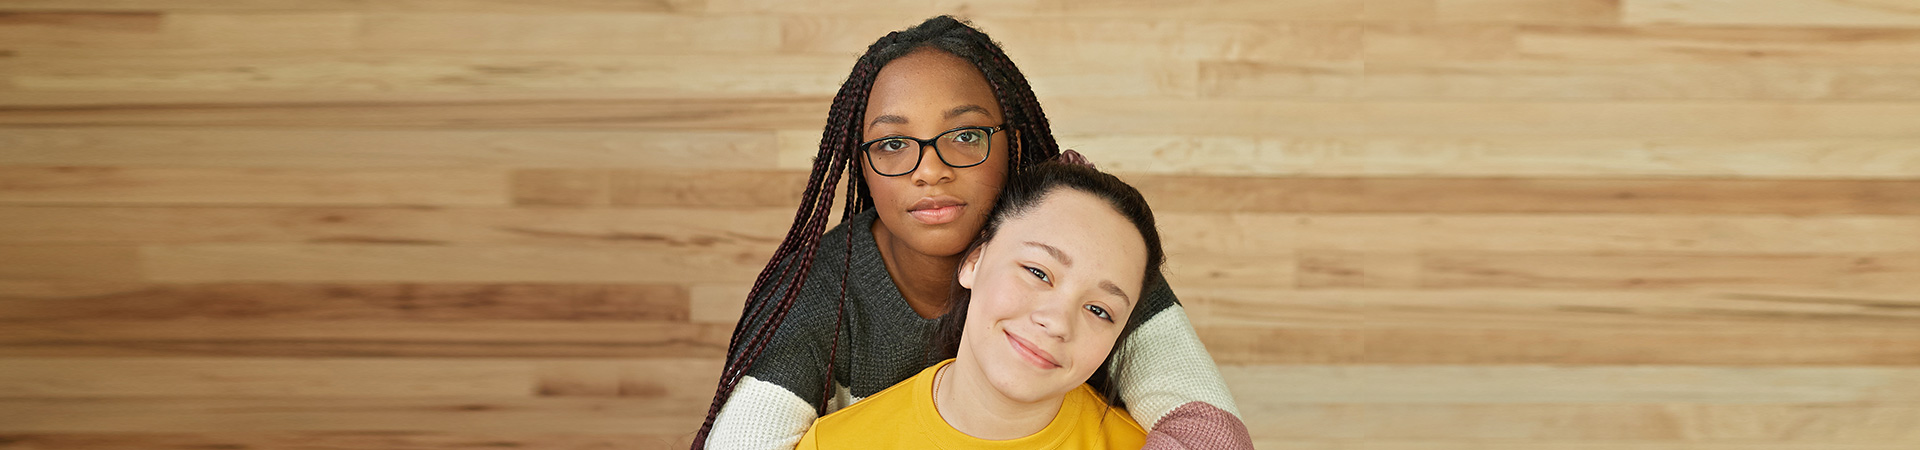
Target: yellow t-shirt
{"points": [[903, 416]]}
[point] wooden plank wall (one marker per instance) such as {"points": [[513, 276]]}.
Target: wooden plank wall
{"points": [[1398, 224]]}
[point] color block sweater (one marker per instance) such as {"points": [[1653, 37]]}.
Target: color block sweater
{"points": [[1167, 379]]}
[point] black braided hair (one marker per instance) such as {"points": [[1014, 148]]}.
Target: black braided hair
{"points": [[1031, 143]]}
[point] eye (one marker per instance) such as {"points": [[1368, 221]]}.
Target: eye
{"points": [[1100, 312], [969, 136], [895, 145], [1038, 274]]}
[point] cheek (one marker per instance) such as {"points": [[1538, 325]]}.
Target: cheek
{"points": [[1089, 354], [881, 188], [996, 296]]}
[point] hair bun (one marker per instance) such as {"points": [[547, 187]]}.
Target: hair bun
{"points": [[1075, 158]]}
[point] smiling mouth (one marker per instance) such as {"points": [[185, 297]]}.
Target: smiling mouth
{"points": [[1028, 352]]}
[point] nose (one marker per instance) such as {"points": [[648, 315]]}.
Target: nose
{"points": [[932, 170], [1054, 318]]}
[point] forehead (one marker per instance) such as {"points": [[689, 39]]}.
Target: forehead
{"points": [[929, 82], [1101, 242]]}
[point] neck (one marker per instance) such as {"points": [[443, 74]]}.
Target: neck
{"points": [[924, 280], [968, 401]]}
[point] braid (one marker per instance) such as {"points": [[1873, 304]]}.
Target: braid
{"points": [[787, 271]]}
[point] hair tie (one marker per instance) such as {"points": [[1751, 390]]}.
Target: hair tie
{"points": [[1075, 158]]}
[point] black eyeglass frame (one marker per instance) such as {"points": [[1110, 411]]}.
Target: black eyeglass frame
{"points": [[933, 143]]}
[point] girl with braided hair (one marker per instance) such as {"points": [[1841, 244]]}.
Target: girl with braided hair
{"points": [[932, 121]]}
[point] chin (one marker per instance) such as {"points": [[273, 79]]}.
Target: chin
{"points": [[939, 242], [1005, 377], [1017, 388]]}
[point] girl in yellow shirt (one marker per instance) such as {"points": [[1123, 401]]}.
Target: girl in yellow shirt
{"points": [[1042, 297]]}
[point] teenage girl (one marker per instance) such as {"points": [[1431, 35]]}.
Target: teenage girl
{"points": [[930, 124], [1044, 294]]}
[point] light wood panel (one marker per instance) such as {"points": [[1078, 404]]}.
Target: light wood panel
{"points": [[375, 149], [1396, 224], [1834, 13], [117, 185], [351, 439]]}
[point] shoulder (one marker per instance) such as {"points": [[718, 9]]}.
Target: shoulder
{"points": [[882, 420], [880, 407], [1116, 427]]}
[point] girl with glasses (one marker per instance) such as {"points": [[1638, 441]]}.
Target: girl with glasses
{"points": [[929, 126]]}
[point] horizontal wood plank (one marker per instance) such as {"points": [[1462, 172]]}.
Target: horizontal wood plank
{"points": [[201, 186], [434, 263], [569, 110], [445, 415], [74, 263], [1816, 423], [1041, 38], [360, 149], [507, 32], [1832, 13], [665, 228], [1523, 385], [1393, 41], [1258, 233], [353, 5], [348, 302], [1544, 195], [295, 440], [1648, 271], [1558, 80], [1732, 310], [662, 379], [1567, 347], [363, 338]]}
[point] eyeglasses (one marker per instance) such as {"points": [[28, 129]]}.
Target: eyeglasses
{"points": [[900, 155]]}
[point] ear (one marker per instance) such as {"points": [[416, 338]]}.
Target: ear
{"points": [[970, 267]]}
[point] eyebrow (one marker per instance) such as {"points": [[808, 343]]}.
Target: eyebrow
{"points": [[1057, 254], [1065, 260], [1115, 290], [963, 109], [951, 113]]}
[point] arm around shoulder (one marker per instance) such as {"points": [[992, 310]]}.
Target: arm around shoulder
{"points": [[1171, 384]]}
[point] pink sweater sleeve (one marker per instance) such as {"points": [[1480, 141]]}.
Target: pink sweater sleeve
{"points": [[1198, 425], [1168, 379]]}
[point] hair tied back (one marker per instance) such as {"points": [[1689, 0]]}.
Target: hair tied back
{"points": [[1075, 158]]}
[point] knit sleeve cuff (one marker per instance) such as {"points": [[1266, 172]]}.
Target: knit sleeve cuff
{"points": [[1199, 425], [760, 415]]}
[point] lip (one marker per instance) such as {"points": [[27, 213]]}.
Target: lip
{"points": [[1026, 350], [937, 210]]}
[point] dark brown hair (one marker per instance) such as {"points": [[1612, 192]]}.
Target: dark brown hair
{"points": [[1031, 143], [1026, 191]]}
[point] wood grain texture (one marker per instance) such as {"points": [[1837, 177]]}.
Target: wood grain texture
{"points": [[1395, 224], [308, 440], [373, 149], [364, 338], [350, 301], [117, 185], [1834, 13]]}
